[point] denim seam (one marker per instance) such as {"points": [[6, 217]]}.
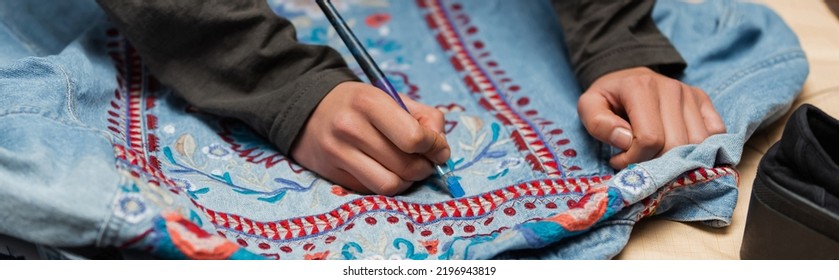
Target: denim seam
{"points": [[728, 15], [104, 231], [652, 178], [36, 112], [701, 207], [775, 60], [111, 223], [612, 222], [47, 116], [71, 104]]}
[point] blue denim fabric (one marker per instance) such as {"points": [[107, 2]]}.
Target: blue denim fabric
{"points": [[93, 152], [30, 28]]}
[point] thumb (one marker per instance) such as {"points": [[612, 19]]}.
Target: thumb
{"points": [[431, 121], [427, 116], [602, 123]]}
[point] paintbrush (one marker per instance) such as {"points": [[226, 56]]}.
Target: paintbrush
{"points": [[378, 79]]}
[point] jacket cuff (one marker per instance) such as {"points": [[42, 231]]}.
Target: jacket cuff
{"points": [[311, 89]]}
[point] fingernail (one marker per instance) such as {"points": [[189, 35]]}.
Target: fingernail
{"points": [[621, 138], [445, 156]]}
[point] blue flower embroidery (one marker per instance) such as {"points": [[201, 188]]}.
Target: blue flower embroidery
{"points": [[633, 183], [633, 179], [216, 151], [184, 184], [131, 208]]}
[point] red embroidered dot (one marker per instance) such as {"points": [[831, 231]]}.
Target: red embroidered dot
{"points": [[221, 234], [349, 227], [264, 246], [557, 132], [478, 44], [563, 142], [456, 7], [286, 249], [529, 205], [531, 112], [370, 220], [471, 30], [489, 220], [392, 219], [570, 153], [425, 233], [242, 242], [492, 63], [469, 228], [377, 20], [515, 88], [550, 205], [523, 101], [448, 230], [574, 168], [571, 203], [309, 247], [330, 239], [509, 211], [410, 227]]}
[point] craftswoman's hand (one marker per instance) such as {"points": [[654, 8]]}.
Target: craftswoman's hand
{"points": [[646, 114], [360, 138]]}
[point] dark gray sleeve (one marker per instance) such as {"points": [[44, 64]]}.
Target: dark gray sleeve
{"points": [[232, 58], [609, 35]]}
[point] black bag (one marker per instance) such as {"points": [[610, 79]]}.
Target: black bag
{"points": [[794, 208]]}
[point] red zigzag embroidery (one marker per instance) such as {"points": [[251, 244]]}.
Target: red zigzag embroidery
{"points": [[478, 80], [128, 117]]}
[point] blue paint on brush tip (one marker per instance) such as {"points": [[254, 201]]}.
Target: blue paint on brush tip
{"points": [[453, 184]]}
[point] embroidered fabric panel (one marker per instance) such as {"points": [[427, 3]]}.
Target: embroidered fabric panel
{"points": [[532, 175]]}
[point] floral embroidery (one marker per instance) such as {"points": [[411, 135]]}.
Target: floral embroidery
{"points": [[400, 81], [452, 27], [316, 256], [339, 190], [409, 249], [503, 134], [169, 129], [477, 153], [294, 8], [132, 208], [377, 20], [632, 179], [249, 146], [430, 246], [393, 257], [347, 250], [591, 208], [216, 151], [270, 196], [504, 166], [634, 182], [184, 184], [196, 243]]}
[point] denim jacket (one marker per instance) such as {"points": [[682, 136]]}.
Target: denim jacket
{"points": [[95, 152]]}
